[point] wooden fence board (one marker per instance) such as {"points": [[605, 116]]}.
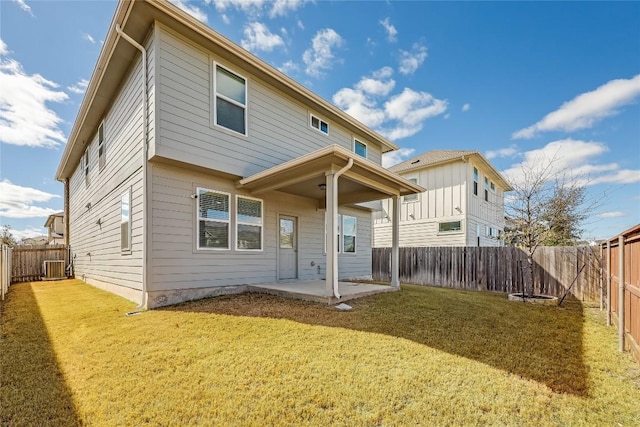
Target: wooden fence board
{"points": [[497, 269], [27, 261]]}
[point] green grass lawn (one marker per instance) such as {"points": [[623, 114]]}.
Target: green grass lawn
{"points": [[423, 356]]}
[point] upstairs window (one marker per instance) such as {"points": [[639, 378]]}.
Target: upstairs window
{"points": [[411, 197], [213, 219], [360, 148], [493, 187], [319, 124], [125, 221], [447, 227], [486, 189], [349, 231], [85, 166], [249, 224], [231, 100], [475, 181], [101, 147]]}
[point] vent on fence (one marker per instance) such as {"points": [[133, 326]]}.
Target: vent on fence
{"points": [[53, 270]]}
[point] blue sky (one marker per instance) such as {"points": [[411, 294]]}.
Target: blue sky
{"points": [[520, 82]]}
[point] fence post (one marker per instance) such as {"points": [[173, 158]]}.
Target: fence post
{"points": [[601, 284], [609, 283], [621, 293]]}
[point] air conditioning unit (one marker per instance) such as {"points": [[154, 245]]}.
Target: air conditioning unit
{"points": [[53, 270]]}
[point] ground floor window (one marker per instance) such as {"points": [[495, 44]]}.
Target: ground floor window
{"points": [[213, 219], [249, 224], [125, 221], [349, 231]]}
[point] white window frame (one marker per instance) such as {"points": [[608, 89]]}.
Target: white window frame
{"points": [[486, 189], [102, 158], [339, 235], [228, 221], [215, 95], [450, 231], [85, 166], [126, 194], [320, 121], [238, 223], [356, 141], [411, 198], [476, 178], [355, 236]]}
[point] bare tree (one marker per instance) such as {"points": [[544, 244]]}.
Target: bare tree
{"points": [[7, 237], [544, 209]]}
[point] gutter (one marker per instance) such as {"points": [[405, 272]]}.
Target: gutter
{"points": [[145, 150], [336, 175]]}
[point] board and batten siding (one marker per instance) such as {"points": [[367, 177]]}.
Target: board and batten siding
{"points": [[94, 234], [277, 125], [483, 213], [181, 272]]}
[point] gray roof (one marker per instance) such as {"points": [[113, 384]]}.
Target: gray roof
{"points": [[431, 158]]}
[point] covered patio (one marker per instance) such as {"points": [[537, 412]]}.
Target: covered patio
{"points": [[335, 176], [316, 290]]}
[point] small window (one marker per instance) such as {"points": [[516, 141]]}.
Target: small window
{"points": [[125, 221], [486, 189], [85, 166], [101, 147], [411, 197], [493, 187], [319, 124], [475, 181], [445, 227], [360, 148], [213, 219], [249, 224], [349, 231], [231, 100]]}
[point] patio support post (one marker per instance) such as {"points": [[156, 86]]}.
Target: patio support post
{"points": [[621, 306], [395, 243], [332, 232]]}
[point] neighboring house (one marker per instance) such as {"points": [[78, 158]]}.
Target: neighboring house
{"points": [[463, 204], [55, 227], [34, 241], [193, 168]]}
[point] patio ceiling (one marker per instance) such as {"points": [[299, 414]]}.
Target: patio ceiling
{"points": [[365, 181]]}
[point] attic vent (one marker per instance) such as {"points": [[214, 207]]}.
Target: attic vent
{"points": [[415, 161]]}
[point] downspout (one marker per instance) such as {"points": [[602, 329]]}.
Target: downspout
{"points": [[145, 150], [335, 203]]}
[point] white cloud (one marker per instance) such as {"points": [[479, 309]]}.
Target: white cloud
{"points": [[289, 67], [255, 8], [320, 57], [300, 25], [613, 214], [586, 109], [392, 33], [225, 19], [24, 6], [89, 38], [396, 117], [29, 232], [446, 116], [191, 9], [24, 116], [466, 107], [410, 61], [394, 157], [258, 37], [3, 48], [17, 201], [574, 159], [79, 87], [283, 7], [502, 152]]}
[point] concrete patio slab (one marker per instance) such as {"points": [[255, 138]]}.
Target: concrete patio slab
{"points": [[315, 290]]}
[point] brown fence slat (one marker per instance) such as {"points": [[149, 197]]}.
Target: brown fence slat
{"points": [[28, 261]]}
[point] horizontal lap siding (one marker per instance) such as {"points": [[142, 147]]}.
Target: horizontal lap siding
{"points": [[278, 126], [417, 233], [176, 264], [96, 247]]}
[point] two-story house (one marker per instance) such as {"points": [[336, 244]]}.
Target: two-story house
{"points": [[194, 168], [55, 229], [463, 204]]}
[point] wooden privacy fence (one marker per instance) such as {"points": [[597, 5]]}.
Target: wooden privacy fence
{"points": [[28, 261], [5, 269], [621, 273], [499, 269]]}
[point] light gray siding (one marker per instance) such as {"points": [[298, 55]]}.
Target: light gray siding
{"points": [[94, 209], [278, 126], [177, 264]]}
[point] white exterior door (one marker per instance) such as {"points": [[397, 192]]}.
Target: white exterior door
{"points": [[288, 248]]}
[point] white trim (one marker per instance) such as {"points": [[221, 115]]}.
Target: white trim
{"points": [[238, 222], [415, 197], [228, 221], [366, 147], [320, 121], [128, 194], [215, 95]]}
